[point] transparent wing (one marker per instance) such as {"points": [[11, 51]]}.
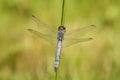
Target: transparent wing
{"points": [[44, 28], [69, 42], [43, 36], [71, 37], [79, 32]]}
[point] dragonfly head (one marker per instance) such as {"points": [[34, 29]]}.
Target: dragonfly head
{"points": [[61, 28]]}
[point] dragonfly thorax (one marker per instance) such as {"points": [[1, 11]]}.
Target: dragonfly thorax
{"points": [[61, 31]]}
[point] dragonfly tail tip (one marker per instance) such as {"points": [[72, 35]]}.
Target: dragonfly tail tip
{"points": [[55, 69]]}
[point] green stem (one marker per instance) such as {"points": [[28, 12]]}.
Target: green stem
{"points": [[56, 75], [62, 22], [62, 15]]}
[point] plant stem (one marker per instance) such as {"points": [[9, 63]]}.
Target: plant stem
{"points": [[56, 75], [62, 23], [62, 15]]}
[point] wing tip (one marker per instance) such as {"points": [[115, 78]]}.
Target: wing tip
{"points": [[33, 16], [29, 29], [93, 25], [90, 38]]}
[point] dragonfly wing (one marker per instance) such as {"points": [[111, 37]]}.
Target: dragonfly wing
{"points": [[44, 28], [48, 38], [69, 42], [79, 32]]}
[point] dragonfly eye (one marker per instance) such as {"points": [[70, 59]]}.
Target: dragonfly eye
{"points": [[62, 28]]}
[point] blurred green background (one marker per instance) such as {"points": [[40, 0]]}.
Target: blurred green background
{"points": [[24, 56]]}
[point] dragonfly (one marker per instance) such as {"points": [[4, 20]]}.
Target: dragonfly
{"points": [[63, 37]]}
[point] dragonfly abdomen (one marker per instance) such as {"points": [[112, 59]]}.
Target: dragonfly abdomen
{"points": [[57, 58]]}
